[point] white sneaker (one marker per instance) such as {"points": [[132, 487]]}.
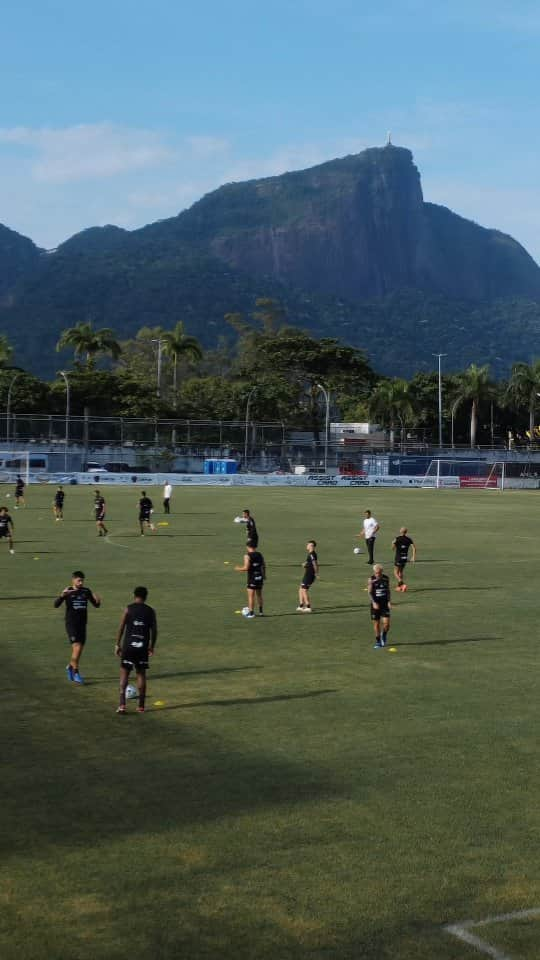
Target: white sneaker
{"points": [[300, 609], [307, 610]]}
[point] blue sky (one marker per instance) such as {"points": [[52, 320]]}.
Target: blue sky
{"points": [[116, 113]]}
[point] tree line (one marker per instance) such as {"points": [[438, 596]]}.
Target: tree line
{"points": [[282, 370]]}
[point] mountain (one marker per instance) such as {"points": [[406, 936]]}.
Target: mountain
{"points": [[18, 257], [349, 247]]}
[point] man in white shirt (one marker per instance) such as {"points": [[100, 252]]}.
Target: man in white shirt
{"points": [[371, 528], [167, 494]]}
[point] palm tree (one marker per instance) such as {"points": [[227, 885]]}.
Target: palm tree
{"points": [[474, 386], [85, 340], [391, 402], [524, 388], [5, 350], [178, 344]]}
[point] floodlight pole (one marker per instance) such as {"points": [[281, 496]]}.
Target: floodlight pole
{"points": [[65, 376], [439, 355], [8, 406]]}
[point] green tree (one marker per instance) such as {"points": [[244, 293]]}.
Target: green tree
{"points": [[390, 403], [90, 343], [178, 345], [524, 387], [474, 387], [6, 350]]}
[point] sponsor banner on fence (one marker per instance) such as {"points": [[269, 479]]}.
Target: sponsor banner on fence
{"points": [[231, 480], [478, 482]]}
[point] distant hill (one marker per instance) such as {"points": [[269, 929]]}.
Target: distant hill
{"points": [[349, 247]]}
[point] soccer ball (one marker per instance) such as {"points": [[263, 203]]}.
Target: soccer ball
{"points": [[131, 692], [357, 550], [245, 611], [8, 495], [237, 520]]}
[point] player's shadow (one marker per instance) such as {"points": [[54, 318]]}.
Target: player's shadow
{"points": [[298, 565], [320, 611], [445, 643], [35, 596], [180, 673], [249, 701], [437, 589]]}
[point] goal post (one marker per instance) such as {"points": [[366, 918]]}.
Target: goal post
{"points": [[445, 474], [14, 463]]}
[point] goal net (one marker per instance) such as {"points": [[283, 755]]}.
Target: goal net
{"points": [[458, 473], [517, 475], [14, 463]]}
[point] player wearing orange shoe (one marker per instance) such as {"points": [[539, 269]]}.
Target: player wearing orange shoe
{"points": [[402, 545]]}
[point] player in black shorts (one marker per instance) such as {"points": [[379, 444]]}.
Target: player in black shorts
{"points": [[255, 568], [145, 513], [19, 492], [58, 504], [251, 528], [311, 571], [402, 545], [76, 598], [99, 511], [6, 528], [135, 643], [379, 594]]}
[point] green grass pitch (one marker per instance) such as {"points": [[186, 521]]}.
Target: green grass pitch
{"points": [[299, 794]]}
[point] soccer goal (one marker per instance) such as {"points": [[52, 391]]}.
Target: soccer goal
{"points": [[456, 473], [516, 475], [14, 463]]}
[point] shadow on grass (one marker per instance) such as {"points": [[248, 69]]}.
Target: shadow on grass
{"points": [[437, 589], [445, 643], [317, 612], [251, 701], [35, 596], [180, 673], [67, 746]]}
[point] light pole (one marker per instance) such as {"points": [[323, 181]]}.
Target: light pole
{"points": [[65, 376], [327, 423], [439, 355], [8, 405], [250, 394]]}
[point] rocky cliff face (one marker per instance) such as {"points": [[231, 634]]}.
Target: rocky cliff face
{"points": [[356, 228], [349, 248]]}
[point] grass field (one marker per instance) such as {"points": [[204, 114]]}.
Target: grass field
{"points": [[299, 795]]}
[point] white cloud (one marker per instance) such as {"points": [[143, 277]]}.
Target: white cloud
{"points": [[86, 151]]}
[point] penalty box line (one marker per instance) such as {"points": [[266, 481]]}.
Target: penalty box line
{"points": [[463, 931]]}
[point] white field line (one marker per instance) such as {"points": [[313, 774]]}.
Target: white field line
{"points": [[124, 546], [463, 931]]}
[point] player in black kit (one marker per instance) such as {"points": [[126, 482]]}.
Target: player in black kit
{"points": [[251, 528], [135, 643], [402, 545], [255, 568], [19, 492], [145, 512], [76, 598], [58, 504], [379, 593], [311, 571], [6, 528], [99, 510]]}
